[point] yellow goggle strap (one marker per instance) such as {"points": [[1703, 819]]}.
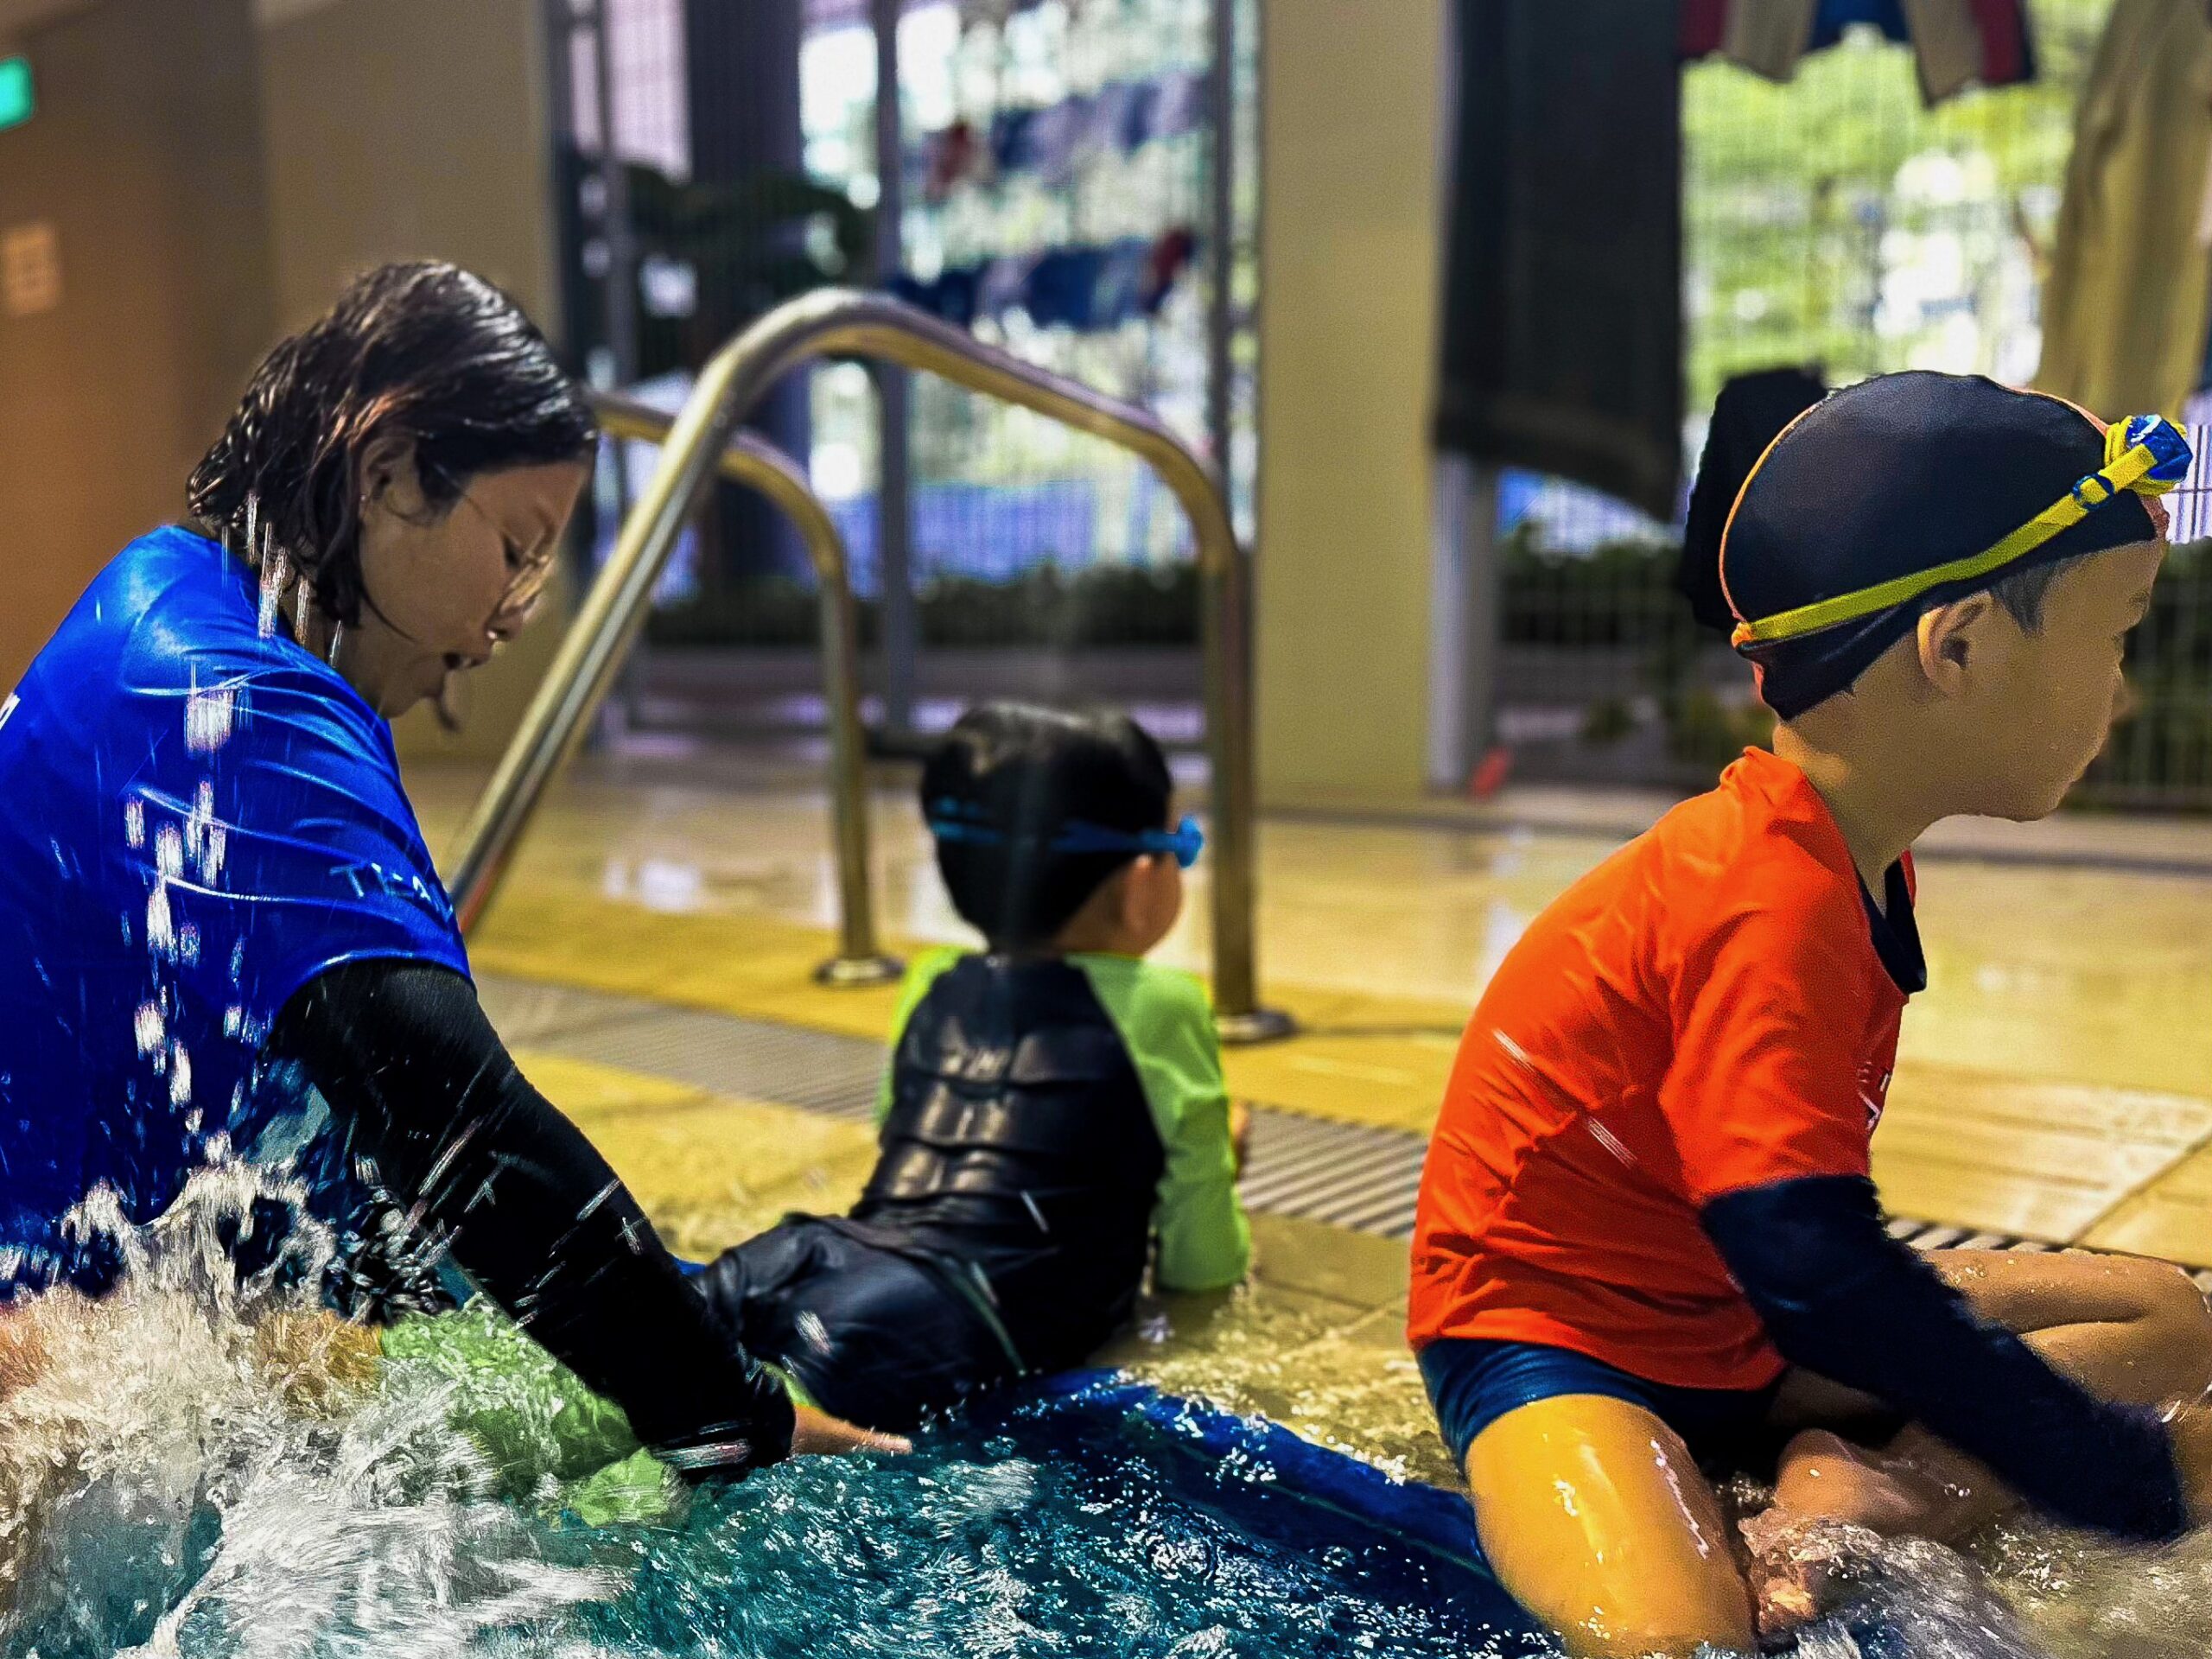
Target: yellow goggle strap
{"points": [[2128, 467]]}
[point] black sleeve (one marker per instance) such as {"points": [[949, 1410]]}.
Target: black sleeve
{"points": [[1842, 1297], [421, 1085]]}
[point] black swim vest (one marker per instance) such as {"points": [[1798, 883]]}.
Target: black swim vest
{"points": [[1019, 1140]]}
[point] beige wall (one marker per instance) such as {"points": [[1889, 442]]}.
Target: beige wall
{"points": [[213, 184], [1347, 325], [145, 156], [411, 129]]}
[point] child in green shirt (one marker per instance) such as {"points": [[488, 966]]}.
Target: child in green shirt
{"points": [[1054, 1115]]}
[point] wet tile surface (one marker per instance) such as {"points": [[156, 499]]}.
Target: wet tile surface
{"points": [[2056, 1079]]}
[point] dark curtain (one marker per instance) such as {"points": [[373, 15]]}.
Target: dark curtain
{"points": [[741, 75], [1562, 339]]}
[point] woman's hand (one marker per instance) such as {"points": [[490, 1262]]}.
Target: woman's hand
{"points": [[817, 1434], [1240, 1133]]}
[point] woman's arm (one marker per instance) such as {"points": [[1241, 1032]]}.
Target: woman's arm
{"points": [[420, 1084]]}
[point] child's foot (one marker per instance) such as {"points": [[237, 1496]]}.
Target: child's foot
{"points": [[1825, 1476], [1827, 1491], [1784, 1566], [22, 1347]]}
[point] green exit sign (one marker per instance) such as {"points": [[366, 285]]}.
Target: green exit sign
{"points": [[17, 100]]}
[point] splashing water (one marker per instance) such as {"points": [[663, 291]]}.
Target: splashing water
{"points": [[204, 1465], [206, 838], [161, 929], [275, 577], [2087, 1598], [198, 1465], [208, 715], [2025, 1590]]}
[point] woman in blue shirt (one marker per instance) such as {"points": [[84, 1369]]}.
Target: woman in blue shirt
{"points": [[213, 891]]}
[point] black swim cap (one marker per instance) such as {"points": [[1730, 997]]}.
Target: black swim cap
{"points": [[1902, 476]]}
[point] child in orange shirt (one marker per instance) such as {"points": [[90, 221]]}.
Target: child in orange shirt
{"points": [[1648, 1246]]}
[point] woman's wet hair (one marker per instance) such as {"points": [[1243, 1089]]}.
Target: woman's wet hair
{"points": [[1023, 773], [425, 353]]}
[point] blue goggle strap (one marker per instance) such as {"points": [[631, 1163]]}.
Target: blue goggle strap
{"points": [[1183, 843]]}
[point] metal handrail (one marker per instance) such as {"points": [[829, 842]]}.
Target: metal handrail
{"points": [[860, 959], [844, 323], [760, 465]]}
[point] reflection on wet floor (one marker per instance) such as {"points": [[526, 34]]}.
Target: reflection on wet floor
{"points": [[1338, 1375], [2056, 1079], [1317, 1340]]}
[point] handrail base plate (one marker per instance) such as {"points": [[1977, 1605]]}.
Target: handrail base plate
{"points": [[1260, 1026], [857, 973]]}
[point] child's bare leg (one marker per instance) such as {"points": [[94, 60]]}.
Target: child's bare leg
{"points": [[1594, 1515], [29, 1483], [316, 1360], [22, 1344], [2125, 1328]]}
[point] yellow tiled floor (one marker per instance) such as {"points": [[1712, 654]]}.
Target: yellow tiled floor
{"points": [[709, 1169], [1316, 1340], [2056, 1079], [2170, 1216]]}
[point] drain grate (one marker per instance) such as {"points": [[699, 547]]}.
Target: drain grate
{"points": [[1346, 1174], [1343, 1173], [815, 1071]]}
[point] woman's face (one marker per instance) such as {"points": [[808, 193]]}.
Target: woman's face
{"points": [[445, 589]]}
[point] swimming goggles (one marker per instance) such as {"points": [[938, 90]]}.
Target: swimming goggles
{"points": [[950, 821], [2145, 454]]}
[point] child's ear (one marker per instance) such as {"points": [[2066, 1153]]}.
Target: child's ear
{"points": [[385, 476], [1130, 897], [1135, 890], [1945, 637]]}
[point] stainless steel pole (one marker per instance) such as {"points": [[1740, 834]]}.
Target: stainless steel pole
{"points": [[1221, 239], [898, 635], [758, 464], [618, 238]]}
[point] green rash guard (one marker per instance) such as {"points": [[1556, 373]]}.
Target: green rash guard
{"points": [[551, 1442], [1166, 1023]]}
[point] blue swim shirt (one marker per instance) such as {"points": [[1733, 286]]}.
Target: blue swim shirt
{"points": [[196, 819]]}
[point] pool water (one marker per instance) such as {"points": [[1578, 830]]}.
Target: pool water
{"points": [[201, 1467], [184, 1474], [1033, 1531], [1008, 1542]]}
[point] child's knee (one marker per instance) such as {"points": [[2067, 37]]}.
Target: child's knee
{"points": [[2177, 1322]]}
